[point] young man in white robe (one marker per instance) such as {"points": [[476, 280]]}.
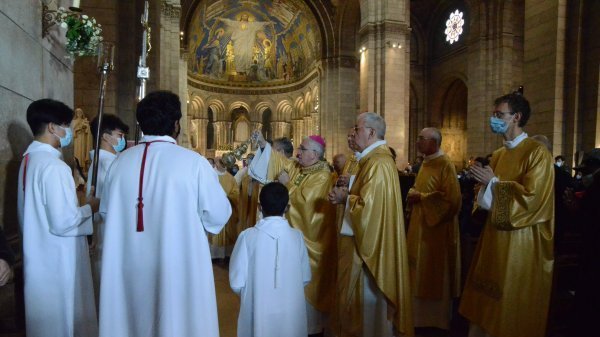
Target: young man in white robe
{"points": [[112, 141], [59, 294], [269, 268], [157, 277]]}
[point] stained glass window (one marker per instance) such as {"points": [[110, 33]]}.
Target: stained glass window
{"points": [[454, 26]]}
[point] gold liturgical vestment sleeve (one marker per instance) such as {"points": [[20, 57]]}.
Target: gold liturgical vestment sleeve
{"points": [[507, 291], [248, 203], [375, 203], [312, 214], [228, 234], [433, 236]]}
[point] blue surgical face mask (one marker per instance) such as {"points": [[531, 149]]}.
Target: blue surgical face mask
{"points": [[498, 125], [66, 140], [120, 145]]}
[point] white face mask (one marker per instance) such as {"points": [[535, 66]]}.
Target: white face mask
{"points": [[559, 163]]}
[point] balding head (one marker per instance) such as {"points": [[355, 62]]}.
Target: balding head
{"points": [[429, 141], [339, 160]]}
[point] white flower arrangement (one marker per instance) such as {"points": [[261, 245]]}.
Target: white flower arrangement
{"points": [[83, 33]]}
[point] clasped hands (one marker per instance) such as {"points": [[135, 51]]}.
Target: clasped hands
{"points": [[482, 175]]}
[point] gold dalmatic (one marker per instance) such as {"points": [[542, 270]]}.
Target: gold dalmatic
{"points": [[229, 233], [248, 204], [375, 203], [312, 214], [347, 319], [507, 291], [433, 237]]}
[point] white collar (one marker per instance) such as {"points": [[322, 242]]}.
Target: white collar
{"points": [[104, 154], [370, 148], [37, 146], [439, 153], [148, 138], [511, 144]]}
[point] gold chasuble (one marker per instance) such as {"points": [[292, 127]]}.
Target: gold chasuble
{"points": [[248, 204], [229, 233], [377, 219], [312, 214], [507, 291], [348, 293], [433, 238]]}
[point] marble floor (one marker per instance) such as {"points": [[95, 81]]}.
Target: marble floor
{"points": [[228, 308]]}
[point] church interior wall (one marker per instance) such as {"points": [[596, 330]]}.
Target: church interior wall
{"points": [[32, 67]]}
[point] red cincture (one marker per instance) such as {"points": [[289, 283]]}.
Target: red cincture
{"points": [[140, 206], [25, 172]]}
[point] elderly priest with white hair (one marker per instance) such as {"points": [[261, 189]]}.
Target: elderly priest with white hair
{"points": [[308, 180], [374, 219]]}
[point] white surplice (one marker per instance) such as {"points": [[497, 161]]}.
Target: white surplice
{"points": [[159, 281], [269, 268], [59, 295], [105, 159]]}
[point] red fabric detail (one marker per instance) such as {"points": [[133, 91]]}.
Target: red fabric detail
{"points": [[140, 205]]}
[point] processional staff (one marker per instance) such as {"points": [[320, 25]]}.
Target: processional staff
{"points": [[143, 71], [105, 66]]}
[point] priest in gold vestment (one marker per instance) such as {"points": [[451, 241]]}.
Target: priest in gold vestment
{"points": [[374, 218], [433, 238], [308, 180], [347, 316], [222, 243], [507, 291], [248, 203]]}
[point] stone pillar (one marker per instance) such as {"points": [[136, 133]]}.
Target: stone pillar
{"points": [[308, 127], [280, 129], [221, 137], [384, 70], [297, 127], [316, 119], [544, 56], [202, 126]]}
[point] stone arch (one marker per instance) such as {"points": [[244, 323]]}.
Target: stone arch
{"points": [[259, 109], [308, 102], [284, 111], [450, 116], [298, 112], [218, 109], [236, 105], [197, 108]]}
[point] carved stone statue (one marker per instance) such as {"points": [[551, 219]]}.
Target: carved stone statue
{"points": [[82, 139]]}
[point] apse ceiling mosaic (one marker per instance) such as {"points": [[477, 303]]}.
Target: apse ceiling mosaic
{"points": [[252, 42]]}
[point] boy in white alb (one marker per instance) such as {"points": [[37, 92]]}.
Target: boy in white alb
{"points": [[269, 268]]}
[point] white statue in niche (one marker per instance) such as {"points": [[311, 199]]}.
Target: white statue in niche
{"points": [[243, 35], [194, 133], [242, 130], [82, 139]]}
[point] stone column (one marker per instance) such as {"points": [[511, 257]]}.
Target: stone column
{"points": [[280, 129], [308, 126], [385, 70], [221, 137], [298, 129], [543, 69]]}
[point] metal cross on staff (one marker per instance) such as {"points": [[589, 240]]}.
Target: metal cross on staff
{"points": [[105, 66], [143, 71]]}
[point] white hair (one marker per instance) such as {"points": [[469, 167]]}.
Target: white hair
{"points": [[374, 121]]}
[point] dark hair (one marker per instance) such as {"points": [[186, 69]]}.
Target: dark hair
{"points": [[211, 160], [559, 158], [110, 123], [274, 199], [45, 111], [517, 103], [158, 112], [286, 145]]}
